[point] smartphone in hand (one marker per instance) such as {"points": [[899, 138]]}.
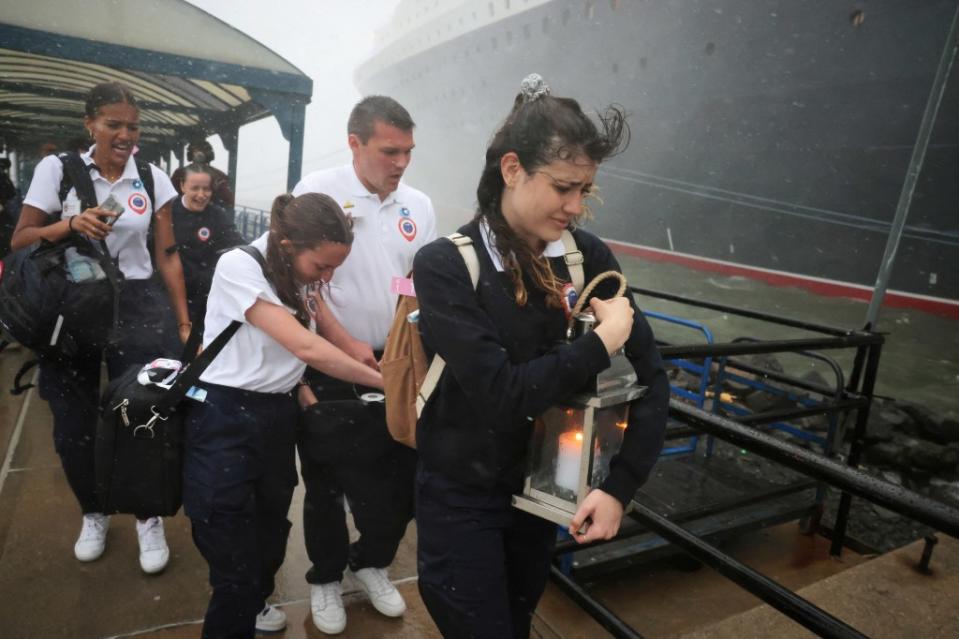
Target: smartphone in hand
{"points": [[111, 204]]}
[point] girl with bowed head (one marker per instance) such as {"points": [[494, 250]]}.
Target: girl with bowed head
{"points": [[239, 469], [482, 564], [71, 384]]}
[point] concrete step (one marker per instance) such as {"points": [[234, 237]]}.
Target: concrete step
{"points": [[883, 597]]}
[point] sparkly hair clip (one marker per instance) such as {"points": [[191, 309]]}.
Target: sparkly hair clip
{"points": [[533, 87]]}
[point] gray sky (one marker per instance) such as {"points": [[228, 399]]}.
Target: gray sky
{"points": [[326, 39]]}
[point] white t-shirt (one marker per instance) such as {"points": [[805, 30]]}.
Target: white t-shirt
{"points": [[128, 240], [386, 236], [251, 360]]}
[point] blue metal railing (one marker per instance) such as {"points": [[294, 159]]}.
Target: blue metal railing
{"points": [[700, 370], [251, 222]]}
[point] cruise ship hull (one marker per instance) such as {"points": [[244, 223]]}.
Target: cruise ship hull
{"points": [[769, 139]]}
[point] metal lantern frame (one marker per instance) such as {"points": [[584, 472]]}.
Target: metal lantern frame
{"points": [[615, 386]]}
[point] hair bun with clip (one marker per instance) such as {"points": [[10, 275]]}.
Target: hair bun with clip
{"points": [[533, 87]]}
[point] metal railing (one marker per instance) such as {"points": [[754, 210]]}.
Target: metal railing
{"points": [[739, 430], [251, 222]]}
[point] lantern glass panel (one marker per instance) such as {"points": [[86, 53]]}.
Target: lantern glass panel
{"points": [[556, 448], [609, 425]]}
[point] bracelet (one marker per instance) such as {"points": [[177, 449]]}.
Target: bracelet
{"points": [[70, 223]]}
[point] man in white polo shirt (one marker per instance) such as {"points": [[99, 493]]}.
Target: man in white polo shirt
{"points": [[345, 447]]}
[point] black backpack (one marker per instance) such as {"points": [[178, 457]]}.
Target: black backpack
{"points": [[40, 306]]}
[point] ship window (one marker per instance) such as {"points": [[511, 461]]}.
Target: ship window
{"points": [[506, 4], [616, 67], [590, 10], [495, 44], [565, 17], [546, 24], [526, 31], [492, 9], [509, 36], [642, 62]]}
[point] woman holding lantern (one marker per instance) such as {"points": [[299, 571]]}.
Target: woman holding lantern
{"points": [[483, 565]]}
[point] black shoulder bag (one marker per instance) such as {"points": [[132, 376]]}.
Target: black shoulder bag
{"points": [[139, 456]]}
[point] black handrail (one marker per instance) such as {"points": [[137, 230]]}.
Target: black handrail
{"points": [[809, 326], [849, 479], [780, 598], [605, 617], [769, 346]]}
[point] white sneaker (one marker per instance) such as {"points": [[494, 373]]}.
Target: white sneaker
{"points": [[383, 594], [154, 553], [272, 619], [326, 603], [93, 537]]}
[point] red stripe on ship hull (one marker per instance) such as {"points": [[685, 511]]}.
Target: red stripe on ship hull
{"points": [[831, 288]]}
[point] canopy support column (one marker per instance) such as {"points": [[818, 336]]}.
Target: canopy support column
{"points": [[289, 109]]}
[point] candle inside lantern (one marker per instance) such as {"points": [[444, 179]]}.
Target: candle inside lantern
{"points": [[567, 460]]}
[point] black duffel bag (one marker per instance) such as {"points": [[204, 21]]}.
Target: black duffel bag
{"points": [[139, 453], [348, 423]]}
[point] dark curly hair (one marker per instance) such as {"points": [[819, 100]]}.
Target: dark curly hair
{"points": [[540, 131]]}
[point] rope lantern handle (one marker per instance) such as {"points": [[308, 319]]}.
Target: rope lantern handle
{"points": [[589, 289]]}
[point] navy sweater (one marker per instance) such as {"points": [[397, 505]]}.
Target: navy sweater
{"points": [[200, 238], [507, 364]]}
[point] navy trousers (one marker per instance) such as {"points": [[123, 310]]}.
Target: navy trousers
{"points": [[145, 330], [482, 564], [239, 471], [345, 449]]}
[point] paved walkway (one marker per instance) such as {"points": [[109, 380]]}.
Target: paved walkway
{"points": [[45, 592]]}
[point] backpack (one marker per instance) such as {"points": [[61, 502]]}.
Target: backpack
{"points": [[408, 378], [52, 300]]}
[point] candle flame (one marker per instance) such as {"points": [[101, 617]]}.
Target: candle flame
{"points": [[579, 437], [621, 424]]}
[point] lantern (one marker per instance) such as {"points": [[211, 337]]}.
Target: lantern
{"points": [[573, 443]]}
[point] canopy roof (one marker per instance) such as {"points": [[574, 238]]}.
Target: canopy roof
{"points": [[192, 73]]}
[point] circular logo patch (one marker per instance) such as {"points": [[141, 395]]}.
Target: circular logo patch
{"points": [[138, 202], [203, 234], [407, 228]]}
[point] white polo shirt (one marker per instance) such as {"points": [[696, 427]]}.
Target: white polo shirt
{"points": [[386, 236], [128, 240], [251, 360]]}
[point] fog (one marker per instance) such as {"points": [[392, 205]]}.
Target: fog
{"points": [[325, 40]]}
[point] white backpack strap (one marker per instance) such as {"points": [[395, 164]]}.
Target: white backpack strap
{"points": [[574, 261], [429, 382], [465, 246]]}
